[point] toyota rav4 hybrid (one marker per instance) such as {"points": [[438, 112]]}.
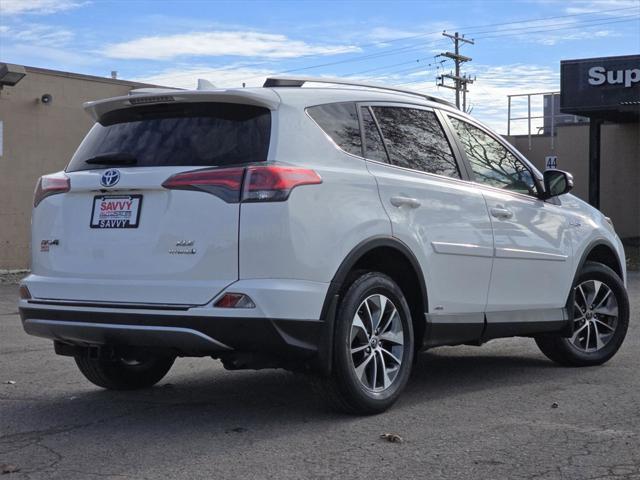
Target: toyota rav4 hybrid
{"points": [[336, 230]]}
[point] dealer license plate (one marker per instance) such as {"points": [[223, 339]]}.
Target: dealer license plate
{"points": [[116, 211]]}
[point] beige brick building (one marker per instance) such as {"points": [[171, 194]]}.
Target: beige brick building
{"points": [[38, 138]]}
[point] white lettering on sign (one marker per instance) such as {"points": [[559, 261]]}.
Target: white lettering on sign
{"points": [[600, 76], [551, 162]]}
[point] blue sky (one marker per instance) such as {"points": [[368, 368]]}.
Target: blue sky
{"points": [[518, 44]]}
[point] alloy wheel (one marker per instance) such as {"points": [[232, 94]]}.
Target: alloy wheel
{"points": [[377, 343], [595, 316]]}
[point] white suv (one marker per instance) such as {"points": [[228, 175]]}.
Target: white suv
{"points": [[336, 230]]}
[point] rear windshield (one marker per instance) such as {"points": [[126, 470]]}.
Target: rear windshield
{"points": [[189, 134]]}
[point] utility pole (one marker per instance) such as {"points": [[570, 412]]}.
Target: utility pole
{"points": [[459, 81]]}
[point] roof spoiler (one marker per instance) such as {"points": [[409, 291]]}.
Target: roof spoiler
{"points": [[257, 97]]}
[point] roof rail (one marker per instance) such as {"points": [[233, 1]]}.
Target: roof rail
{"points": [[300, 81]]}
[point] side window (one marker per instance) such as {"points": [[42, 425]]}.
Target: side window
{"points": [[491, 162], [415, 139], [340, 122], [373, 146]]}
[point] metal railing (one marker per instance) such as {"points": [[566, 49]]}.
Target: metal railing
{"points": [[555, 117], [555, 97]]}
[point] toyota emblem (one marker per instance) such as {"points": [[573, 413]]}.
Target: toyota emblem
{"points": [[110, 178]]}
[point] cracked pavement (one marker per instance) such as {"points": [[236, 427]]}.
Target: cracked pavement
{"points": [[467, 413]]}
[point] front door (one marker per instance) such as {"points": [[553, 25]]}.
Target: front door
{"points": [[532, 269]]}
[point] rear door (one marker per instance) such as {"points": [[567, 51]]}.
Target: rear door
{"points": [[434, 212], [532, 270], [123, 236]]}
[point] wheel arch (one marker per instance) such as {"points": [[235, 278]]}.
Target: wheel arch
{"points": [[380, 253], [596, 251], [601, 251]]}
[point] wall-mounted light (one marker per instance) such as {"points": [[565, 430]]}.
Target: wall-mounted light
{"points": [[46, 99], [11, 74]]}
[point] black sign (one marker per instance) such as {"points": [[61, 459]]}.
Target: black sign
{"points": [[607, 87]]}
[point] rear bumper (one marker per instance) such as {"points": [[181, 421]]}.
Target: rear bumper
{"points": [[184, 332]]}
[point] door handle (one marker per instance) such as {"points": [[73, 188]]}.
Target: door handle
{"points": [[398, 201], [501, 212]]}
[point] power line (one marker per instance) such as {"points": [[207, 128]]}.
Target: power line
{"points": [[349, 60], [410, 48], [562, 28], [406, 70], [470, 28], [561, 24], [420, 46], [466, 28], [419, 64], [383, 67]]}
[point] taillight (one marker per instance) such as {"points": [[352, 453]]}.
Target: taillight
{"points": [[50, 185], [273, 184], [251, 184], [225, 183]]}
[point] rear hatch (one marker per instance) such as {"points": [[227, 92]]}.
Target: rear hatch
{"points": [[119, 235]]}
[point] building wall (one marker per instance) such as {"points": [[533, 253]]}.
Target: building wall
{"points": [[39, 139], [619, 165], [620, 177]]}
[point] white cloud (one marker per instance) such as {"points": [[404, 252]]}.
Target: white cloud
{"points": [[431, 32], [552, 31], [57, 58], [220, 43], [38, 34], [42, 7], [553, 39], [232, 76], [417, 38]]}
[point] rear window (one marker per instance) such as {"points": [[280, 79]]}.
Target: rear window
{"points": [[415, 140], [340, 122], [189, 134]]}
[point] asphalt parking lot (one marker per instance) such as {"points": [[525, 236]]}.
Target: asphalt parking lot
{"points": [[500, 411]]}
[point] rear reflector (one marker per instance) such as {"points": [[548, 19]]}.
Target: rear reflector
{"points": [[50, 185], [235, 300], [250, 184]]}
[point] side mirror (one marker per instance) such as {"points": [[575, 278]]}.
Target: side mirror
{"points": [[556, 182]]}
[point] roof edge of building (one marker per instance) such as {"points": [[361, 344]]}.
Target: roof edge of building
{"points": [[94, 78]]}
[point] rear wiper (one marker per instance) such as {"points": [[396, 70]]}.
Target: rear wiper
{"points": [[113, 158]]}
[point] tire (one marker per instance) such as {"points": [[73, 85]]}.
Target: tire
{"points": [[597, 336], [382, 379], [124, 374]]}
